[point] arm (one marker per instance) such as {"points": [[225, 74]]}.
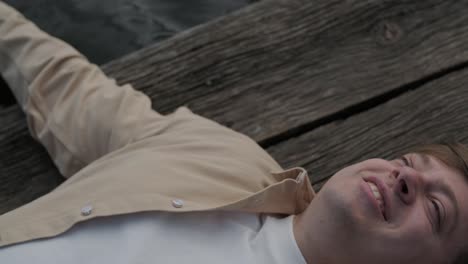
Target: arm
{"points": [[76, 112]]}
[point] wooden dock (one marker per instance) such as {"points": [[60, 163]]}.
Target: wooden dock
{"points": [[320, 84]]}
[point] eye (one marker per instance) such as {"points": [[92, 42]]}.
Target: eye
{"points": [[437, 209], [405, 161]]}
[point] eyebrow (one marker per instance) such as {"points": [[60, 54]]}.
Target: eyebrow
{"points": [[443, 186]]}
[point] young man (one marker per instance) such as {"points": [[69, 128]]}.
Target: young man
{"points": [[146, 188]]}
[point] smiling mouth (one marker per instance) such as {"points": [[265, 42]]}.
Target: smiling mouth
{"points": [[378, 197]]}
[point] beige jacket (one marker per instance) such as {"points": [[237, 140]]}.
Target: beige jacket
{"points": [[120, 156]]}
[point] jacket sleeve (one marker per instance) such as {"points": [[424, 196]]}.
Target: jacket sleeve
{"points": [[72, 108]]}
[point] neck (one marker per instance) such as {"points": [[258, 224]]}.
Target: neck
{"points": [[313, 247]]}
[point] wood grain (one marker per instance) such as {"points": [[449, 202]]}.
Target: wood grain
{"points": [[280, 65], [435, 111]]}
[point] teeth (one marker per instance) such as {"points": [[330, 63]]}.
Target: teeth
{"points": [[375, 190], [376, 193]]}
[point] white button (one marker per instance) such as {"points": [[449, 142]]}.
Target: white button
{"points": [[86, 210], [177, 203]]}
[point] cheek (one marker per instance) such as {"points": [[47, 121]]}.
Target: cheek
{"points": [[346, 174], [414, 222], [413, 236], [364, 168]]}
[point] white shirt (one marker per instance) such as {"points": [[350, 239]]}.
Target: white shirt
{"points": [[161, 237]]}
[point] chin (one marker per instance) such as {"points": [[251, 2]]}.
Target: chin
{"points": [[346, 209], [339, 206]]}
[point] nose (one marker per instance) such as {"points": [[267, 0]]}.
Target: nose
{"points": [[407, 183]]}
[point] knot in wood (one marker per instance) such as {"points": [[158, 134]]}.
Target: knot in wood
{"points": [[388, 32], [210, 81]]}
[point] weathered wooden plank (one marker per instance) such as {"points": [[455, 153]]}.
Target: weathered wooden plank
{"points": [[435, 111], [280, 65]]}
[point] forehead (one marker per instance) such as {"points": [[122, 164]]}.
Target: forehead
{"points": [[428, 163]]}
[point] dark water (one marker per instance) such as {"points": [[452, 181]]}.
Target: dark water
{"points": [[107, 29]]}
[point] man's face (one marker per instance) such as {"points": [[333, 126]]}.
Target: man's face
{"points": [[417, 213]]}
